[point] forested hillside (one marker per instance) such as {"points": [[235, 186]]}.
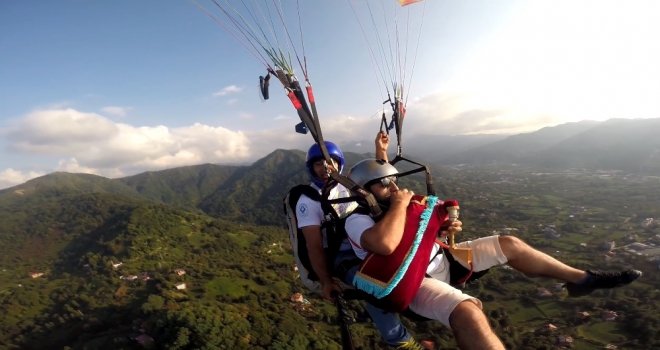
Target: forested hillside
{"points": [[186, 280], [185, 187]]}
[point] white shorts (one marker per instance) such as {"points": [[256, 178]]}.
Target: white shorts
{"points": [[436, 299]]}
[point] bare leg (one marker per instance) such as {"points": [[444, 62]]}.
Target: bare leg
{"points": [[471, 328], [534, 263]]}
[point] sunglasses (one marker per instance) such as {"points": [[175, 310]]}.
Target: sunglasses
{"points": [[322, 162], [386, 181]]}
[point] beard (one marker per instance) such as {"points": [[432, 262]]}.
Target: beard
{"points": [[384, 204]]}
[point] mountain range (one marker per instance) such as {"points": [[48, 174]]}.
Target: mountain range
{"points": [[629, 145], [246, 192]]}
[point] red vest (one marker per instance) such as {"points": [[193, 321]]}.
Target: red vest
{"points": [[395, 278]]}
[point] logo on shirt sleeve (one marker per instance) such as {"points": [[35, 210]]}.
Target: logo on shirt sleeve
{"points": [[302, 210]]}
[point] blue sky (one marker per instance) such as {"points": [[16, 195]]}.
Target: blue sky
{"points": [[119, 87]]}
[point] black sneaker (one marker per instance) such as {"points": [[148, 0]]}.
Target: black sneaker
{"points": [[599, 279]]}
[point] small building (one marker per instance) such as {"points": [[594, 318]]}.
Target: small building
{"points": [[550, 232], [36, 274], [608, 246], [180, 272], [583, 315], [565, 340], [609, 315], [180, 286], [648, 222], [297, 298], [145, 340], [542, 292], [550, 327], [128, 277], [637, 246], [558, 287], [116, 265], [631, 238]]}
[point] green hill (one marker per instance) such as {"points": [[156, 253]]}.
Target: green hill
{"points": [[254, 193], [185, 186]]}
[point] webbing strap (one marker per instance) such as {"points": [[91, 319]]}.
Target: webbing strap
{"points": [[430, 190], [364, 195]]}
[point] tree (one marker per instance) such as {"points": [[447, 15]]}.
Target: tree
{"points": [[182, 339], [153, 304]]}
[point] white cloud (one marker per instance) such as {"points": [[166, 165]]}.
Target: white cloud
{"points": [[348, 127], [116, 111], [345, 130], [90, 143], [72, 165], [77, 141], [282, 117], [59, 130], [461, 113], [440, 114], [231, 89], [11, 177], [264, 142]]}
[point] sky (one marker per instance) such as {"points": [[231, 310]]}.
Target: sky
{"points": [[119, 87]]}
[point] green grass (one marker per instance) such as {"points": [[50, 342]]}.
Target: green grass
{"points": [[243, 239], [604, 332], [229, 287], [519, 314], [283, 259]]}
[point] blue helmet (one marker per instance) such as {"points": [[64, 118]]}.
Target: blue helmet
{"points": [[314, 154]]}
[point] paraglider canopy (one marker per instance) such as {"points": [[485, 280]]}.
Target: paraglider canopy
{"points": [[392, 32], [408, 2]]}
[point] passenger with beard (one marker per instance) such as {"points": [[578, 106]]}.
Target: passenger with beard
{"points": [[379, 239]]}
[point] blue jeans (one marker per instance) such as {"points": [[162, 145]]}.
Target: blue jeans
{"points": [[388, 323]]}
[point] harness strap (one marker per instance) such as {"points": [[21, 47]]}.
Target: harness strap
{"points": [[456, 269], [342, 268]]}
